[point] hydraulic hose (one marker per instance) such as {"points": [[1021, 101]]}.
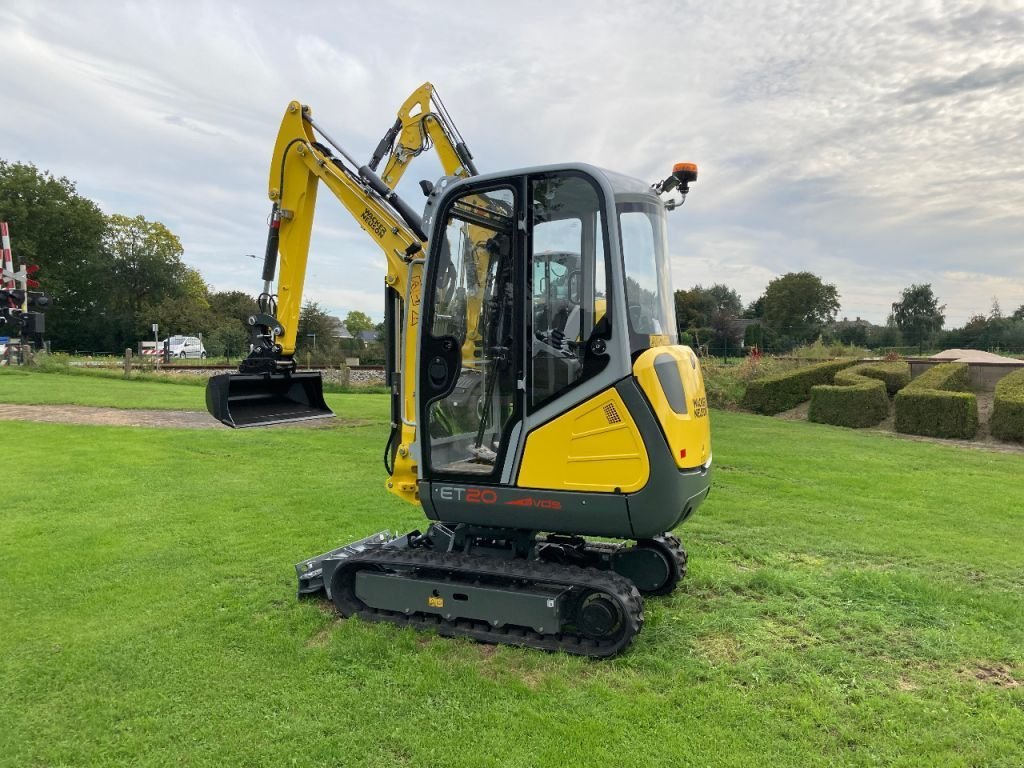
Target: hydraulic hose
{"points": [[409, 216]]}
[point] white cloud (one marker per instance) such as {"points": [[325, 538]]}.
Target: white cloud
{"points": [[875, 144]]}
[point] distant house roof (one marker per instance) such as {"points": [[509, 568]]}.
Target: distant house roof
{"points": [[740, 324], [368, 336], [339, 331]]}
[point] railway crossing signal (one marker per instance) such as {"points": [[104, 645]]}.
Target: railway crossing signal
{"points": [[20, 308]]}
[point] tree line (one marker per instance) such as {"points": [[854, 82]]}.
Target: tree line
{"points": [[800, 307], [112, 276]]}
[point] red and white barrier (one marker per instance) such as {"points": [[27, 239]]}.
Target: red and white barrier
{"points": [[8, 260]]}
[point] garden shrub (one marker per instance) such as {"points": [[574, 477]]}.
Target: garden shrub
{"points": [[774, 394], [895, 375], [863, 404], [934, 404], [1007, 421], [859, 396]]}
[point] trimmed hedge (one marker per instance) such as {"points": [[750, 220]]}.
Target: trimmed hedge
{"points": [[1007, 421], [778, 393], [934, 404], [859, 396], [863, 404], [896, 375]]}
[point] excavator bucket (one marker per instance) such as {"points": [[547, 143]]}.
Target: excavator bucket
{"points": [[260, 399]]}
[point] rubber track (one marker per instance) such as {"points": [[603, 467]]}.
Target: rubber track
{"points": [[682, 558], [598, 549], [468, 568]]}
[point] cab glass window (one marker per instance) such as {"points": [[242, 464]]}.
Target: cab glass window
{"points": [[568, 267]]}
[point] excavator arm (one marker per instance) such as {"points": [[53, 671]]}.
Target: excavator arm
{"points": [[423, 122], [301, 162], [268, 389]]}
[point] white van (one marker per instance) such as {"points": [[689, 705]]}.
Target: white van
{"points": [[186, 346]]}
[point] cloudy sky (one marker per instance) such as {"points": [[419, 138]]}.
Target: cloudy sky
{"points": [[877, 144]]}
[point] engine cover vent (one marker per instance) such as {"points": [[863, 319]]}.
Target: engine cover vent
{"points": [[611, 414]]}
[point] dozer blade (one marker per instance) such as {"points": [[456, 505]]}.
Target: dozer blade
{"points": [[260, 399]]}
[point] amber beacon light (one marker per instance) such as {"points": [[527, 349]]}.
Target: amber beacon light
{"points": [[683, 174]]}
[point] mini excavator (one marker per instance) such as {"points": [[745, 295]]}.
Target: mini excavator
{"points": [[538, 393]]}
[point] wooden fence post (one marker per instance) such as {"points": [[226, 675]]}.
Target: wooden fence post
{"points": [[127, 362]]}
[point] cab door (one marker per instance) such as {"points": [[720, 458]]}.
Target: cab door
{"points": [[471, 353]]}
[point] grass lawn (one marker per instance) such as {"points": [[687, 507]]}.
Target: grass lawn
{"points": [[101, 388], [109, 390], [853, 599]]}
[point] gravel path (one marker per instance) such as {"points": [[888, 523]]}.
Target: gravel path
{"points": [[82, 414], [122, 417]]}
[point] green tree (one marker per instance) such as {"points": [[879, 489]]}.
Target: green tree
{"points": [[798, 304], [316, 339], [754, 310], [753, 336], [992, 333], [698, 307], [357, 321], [846, 332], [726, 336], [145, 260], [1018, 313], [232, 306], [1015, 336], [109, 277], [727, 301], [996, 313], [708, 315], [918, 314], [55, 227], [228, 341], [186, 310], [882, 336], [974, 332]]}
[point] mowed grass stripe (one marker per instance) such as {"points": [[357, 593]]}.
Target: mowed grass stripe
{"points": [[853, 599], [106, 390]]}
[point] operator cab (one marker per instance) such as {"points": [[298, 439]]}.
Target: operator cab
{"points": [[542, 287]]}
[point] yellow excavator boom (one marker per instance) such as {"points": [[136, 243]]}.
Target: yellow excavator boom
{"points": [[422, 123]]}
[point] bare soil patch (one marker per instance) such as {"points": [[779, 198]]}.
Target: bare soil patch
{"points": [[999, 675]]}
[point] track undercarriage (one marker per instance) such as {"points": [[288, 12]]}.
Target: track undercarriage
{"points": [[553, 592]]}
